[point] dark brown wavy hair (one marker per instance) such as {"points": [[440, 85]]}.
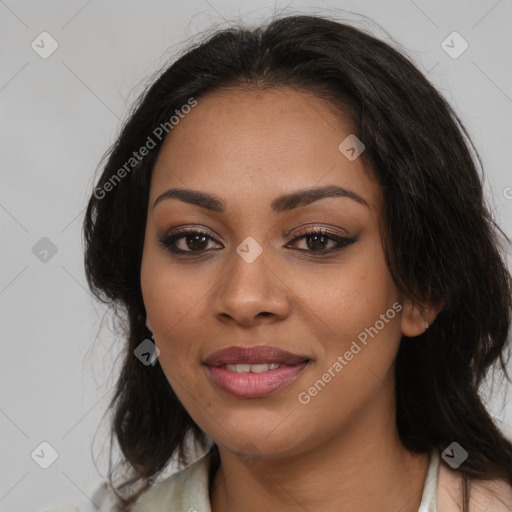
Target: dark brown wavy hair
{"points": [[441, 244]]}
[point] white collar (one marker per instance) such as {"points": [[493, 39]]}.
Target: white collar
{"points": [[187, 490]]}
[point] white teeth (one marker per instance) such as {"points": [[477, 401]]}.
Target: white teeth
{"points": [[254, 368], [259, 368]]}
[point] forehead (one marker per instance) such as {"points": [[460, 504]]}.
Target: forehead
{"points": [[260, 141]]}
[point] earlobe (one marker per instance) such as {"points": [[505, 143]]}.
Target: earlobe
{"points": [[416, 319], [148, 324]]}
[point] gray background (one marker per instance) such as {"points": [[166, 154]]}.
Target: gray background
{"points": [[60, 114]]}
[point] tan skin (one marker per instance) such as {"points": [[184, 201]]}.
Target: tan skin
{"points": [[339, 452]]}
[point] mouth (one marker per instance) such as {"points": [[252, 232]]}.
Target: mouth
{"points": [[253, 372], [253, 368]]}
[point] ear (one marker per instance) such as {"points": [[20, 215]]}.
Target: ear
{"points": [[148, 324], [415, 317]]}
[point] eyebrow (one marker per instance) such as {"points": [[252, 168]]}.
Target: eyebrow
{"points": [[281, 204]]}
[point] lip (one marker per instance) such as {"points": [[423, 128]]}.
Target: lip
{"points": [[253, 355], [254, 385]]}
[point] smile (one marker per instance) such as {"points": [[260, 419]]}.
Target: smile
{"points": [[253, 372]]}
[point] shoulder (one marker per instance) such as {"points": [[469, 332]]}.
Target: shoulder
{"points": [[184, 491], [485, 495]]}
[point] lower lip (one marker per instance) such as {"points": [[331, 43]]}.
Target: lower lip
{"points": [[254, 385]]}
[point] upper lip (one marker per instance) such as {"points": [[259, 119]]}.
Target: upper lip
{"points": [[253, 355]]}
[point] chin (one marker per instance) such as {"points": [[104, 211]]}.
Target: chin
{"points": [[264, 443]]}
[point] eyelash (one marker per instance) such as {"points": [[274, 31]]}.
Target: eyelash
{"points": [[342, 242]]}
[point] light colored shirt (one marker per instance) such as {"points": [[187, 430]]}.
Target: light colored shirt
{"points": [[187, 491]]}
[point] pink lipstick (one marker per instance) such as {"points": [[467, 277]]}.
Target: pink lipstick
{"points": [[253, 372]]}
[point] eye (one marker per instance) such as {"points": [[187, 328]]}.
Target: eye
{"points": [[191, 241], [195, 241], [317, 240]]}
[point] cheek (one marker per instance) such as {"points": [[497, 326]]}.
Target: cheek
{"points": [[354, 375], [169, 300], [349, 297], [170, 291], [171, 308], [360, 314]]}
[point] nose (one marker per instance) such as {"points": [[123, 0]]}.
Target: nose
{"points": [[251, 293]]}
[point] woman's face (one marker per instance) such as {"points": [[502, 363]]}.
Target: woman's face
{"points": [[253, 277]]}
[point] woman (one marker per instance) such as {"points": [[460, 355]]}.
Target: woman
{"points": [[292, 222]]}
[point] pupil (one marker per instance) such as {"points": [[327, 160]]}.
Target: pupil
{"points": [[319, 241], [194, 244]]}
